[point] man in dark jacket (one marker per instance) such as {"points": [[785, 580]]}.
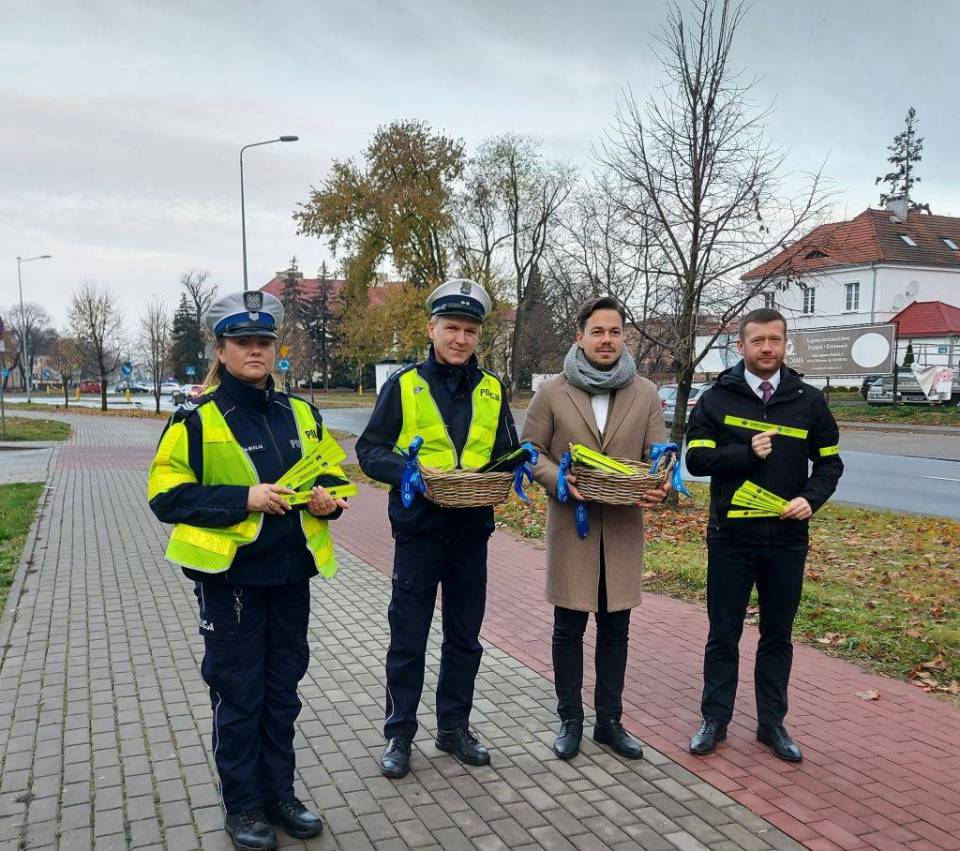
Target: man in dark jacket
{"points": [[758, 422], [461, 412]]}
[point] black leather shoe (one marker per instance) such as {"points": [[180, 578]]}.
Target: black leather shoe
{"points": [[612, 734], [567, 743], [780, 742], [395, 759], [464, 745], [705, 739], [294, 818], [250, 831]]}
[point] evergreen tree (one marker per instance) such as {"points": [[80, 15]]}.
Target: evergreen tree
{"points": [[321, 321], [905, 153], [186, 342], [908, 356]]}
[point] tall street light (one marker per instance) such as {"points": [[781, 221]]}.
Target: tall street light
{"points": [[243, 215], [23, 318]]}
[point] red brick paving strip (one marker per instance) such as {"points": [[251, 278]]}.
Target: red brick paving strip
{"points": [[881, 774]]}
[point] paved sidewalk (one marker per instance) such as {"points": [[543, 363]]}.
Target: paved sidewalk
{"points": [[104, 720]]}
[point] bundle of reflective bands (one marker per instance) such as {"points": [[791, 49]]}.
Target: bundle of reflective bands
{"points": [[591, 458], [756, 502], [323, 458]]}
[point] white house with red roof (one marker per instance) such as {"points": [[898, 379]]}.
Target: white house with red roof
{"points": [[881, 266]]}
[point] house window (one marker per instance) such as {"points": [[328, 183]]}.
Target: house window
{"points": [[950, 244], [809, 300], [907, 239], [769, 301], [853, 296]]}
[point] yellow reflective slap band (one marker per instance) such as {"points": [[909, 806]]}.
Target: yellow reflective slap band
{"points": [[826, 451], [751, 512], [702, 444], [303, 497], [757, 425]]}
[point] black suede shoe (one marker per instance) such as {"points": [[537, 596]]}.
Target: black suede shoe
{"points": [[780, 742], [567, 743], [294, 818], [395, 759], [705, 739], [612, 734], [250, 831], [464, 745]]}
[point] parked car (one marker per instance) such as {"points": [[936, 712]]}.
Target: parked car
{"points": [[187, 393], [867, 384], [909, 391], [668, 398], [132, 386], [168, 388], [90, 387]]}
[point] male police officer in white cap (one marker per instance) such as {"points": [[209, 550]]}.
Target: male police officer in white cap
{"points": [[461, 412]]}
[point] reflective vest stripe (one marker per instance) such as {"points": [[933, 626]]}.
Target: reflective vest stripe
{"points": [[758, 425], [422, 417], [827, 451], [702, 444]]}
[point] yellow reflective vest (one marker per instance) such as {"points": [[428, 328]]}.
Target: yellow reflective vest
{"points": [[421, 416], [226, 462]]}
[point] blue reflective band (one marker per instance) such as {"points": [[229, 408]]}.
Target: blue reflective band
{"points": [[660, 453], [525, 471], [411, 480]]}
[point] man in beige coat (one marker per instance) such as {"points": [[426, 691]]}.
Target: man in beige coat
{"points": [[600, 402]]}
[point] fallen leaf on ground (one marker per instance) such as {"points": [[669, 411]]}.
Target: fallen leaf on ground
{"points": [[869, 694]]}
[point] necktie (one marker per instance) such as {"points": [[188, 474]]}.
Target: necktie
{"points": [[767, 389]]}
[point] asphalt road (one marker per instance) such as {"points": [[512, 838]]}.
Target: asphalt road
{"points": [[914, 472]]}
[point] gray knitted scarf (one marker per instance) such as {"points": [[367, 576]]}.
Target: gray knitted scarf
{"points": [[585, 376]]}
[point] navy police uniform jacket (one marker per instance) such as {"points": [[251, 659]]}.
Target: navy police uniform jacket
{"points": [[263, 423], [451, 388], [787, 471]]}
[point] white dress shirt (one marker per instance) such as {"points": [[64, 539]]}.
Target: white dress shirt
{"points": [[601, 406], [754, 381]]}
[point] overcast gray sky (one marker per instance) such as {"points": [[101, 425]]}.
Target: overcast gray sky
{"points": [[122, 119]]}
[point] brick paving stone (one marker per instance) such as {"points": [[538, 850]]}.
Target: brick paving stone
{"points": [[113, 728]]}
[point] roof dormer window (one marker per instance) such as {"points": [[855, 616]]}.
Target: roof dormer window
{"points": [[950, 243], [907, 239], [816, 254]]}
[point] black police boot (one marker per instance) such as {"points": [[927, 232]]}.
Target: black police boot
{"points": [[294, 818], [705, 740], [395, 759], [567, 743], [779, 741], [611, 733], [250, 831], [464, 745]]}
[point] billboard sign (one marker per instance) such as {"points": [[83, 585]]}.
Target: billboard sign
{"points": [[857, 350]]}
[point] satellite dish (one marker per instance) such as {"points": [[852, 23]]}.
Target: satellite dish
{"points": [[899, 302], [913, 288]]}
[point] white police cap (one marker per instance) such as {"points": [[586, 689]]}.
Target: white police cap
{"points": [[248, 314], [459, 297]]}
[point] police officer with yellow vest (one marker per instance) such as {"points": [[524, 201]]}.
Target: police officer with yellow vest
{"points": [[461, 412], [251, 558]]}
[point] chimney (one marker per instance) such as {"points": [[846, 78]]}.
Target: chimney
{"points": [[897, 207]]}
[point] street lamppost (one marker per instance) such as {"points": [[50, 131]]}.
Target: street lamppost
{"points": [[23, 318], [243, 215]]}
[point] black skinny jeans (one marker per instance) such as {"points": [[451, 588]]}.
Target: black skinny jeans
{"points": [[613, 636]]}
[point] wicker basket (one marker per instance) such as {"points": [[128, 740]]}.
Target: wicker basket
{"points": [[466, 489], [615, 488]]}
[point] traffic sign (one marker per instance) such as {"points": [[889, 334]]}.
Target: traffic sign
{"points": [[5, 373], [284, 365], [284, 350], [191, 370], [126, 368], [46, 374]]}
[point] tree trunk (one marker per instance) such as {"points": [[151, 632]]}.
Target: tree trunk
{"points": [[66, 394], [103, 390]]}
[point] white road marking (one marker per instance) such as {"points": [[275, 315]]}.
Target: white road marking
{"points": [[941, 478]]}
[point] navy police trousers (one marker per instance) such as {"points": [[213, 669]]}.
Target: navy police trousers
{"points": [[255, 640], [459, 566]]}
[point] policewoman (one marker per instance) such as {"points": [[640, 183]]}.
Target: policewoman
{"points": [[250, 557], [461, 412], [758, 422]]}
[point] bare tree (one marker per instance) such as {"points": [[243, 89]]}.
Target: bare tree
{"points": [[66, 355], [96, 320], [695, 169], [200, 295], [30, 325], [155, 327]]}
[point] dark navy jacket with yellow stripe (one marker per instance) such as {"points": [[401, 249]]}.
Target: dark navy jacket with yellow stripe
{"points": [[727, 417], [263, 423]]}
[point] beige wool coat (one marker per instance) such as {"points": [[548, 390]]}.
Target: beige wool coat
{"points": [[561, 414]]}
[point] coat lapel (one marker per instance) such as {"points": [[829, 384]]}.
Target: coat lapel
{"points": [[623, 400], [582, 402]]}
